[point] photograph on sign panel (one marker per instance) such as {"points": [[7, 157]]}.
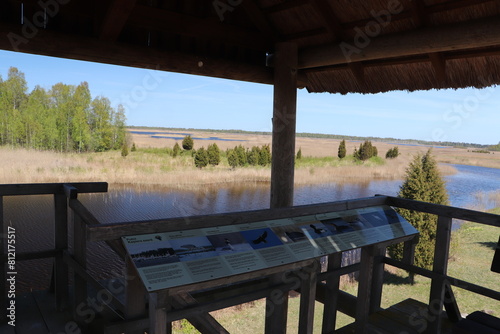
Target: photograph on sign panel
{"points": [[193, 248], [261, 238], [228, 243], [146, 254], [337, 225]]}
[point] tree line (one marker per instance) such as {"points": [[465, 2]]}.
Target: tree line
{"points": [[63, 118]]}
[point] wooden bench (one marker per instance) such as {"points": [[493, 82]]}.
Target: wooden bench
{"points": [[480, 322]]}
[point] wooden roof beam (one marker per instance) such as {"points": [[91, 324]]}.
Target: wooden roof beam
{"points": [[116, 16], [332, 23], [284, 6], [460, 36], [259, 19], [210, 29], [438, 61]]}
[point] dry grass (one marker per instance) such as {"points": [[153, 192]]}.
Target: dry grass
{"points": [[155, 168]]}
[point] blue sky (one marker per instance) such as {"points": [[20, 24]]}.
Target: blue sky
{"points": [[155, 98]]}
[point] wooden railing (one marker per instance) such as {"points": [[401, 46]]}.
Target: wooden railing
{"points": [[195, 301], [61, 193]]}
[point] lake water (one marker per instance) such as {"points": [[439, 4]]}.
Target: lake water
{"points": [[32, 216]]}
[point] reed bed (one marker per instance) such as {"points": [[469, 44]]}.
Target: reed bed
{"points": [[158, 169]]}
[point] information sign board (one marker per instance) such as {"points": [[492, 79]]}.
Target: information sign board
{"points": [[165, 260]]}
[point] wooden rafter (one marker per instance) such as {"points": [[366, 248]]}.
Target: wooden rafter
{"points": [[461, 36], [259, 19], [116, 16], [210, 29], [284, 6], [437, 59], [332, 23]]}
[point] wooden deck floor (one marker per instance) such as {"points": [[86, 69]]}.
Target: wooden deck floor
{"points": [[36, 315], [408, 316]]}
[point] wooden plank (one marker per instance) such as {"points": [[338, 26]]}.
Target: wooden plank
{"points": [[29, 320], [116, 16], [284, 122], [445, 211], [377, 279], [117, 230], [92, 49], [276, 308], [204, 322], [158, 303], [458, 36], [50, 188], [308, 298], [56, 321], [135, 295], [331, 293], [364, 288], [409, 255], [80, 256], [61, 245], [440, 266], [24, 256]]}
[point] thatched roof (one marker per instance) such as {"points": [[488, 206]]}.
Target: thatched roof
{"points": [[391, 44]]}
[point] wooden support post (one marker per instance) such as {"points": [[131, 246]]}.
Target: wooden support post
{"points": [[440, 266], [276, 308], [80, 255], [409, 255], [365, 285], [377, 279], [158, 304], [284, 119], [61, 245], [283, 159], [3, 268], [135, 295], [308, 298], [331, 295]]}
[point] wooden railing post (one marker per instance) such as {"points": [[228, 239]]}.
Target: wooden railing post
{"points": [[370, 262], [80, 256], [440, 266], [61, 245], [409, 256], [135, 294], [331, 294], [308, 298], [158, 304]]}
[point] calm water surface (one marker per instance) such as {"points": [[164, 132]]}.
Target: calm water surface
{"points": [[32, 217]]}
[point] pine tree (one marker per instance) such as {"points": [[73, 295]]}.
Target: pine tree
{"points": [[253, 156], [392, 153], [176, 150], [265, 155], [299, 154], [213, 154], [187, 143], [232, 158], [423, 183], [342, 150], [124, 150], [134, 148], [201, 158]]}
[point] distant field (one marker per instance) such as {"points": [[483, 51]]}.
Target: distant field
{"points": [[314, 147], [152, 166]]}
